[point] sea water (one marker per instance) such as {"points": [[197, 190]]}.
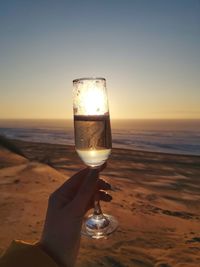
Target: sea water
{"points": [[167, 136]]}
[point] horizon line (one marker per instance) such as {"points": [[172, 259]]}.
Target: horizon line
{"points": [[111, 118]]}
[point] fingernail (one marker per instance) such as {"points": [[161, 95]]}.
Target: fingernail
{"points": [[107, 186], [109, 197], [112, 188]]}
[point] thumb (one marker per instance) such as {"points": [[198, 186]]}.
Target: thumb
{"points": [[86, 191]]}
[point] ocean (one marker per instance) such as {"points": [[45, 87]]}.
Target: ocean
{"points": [[167, 136]]}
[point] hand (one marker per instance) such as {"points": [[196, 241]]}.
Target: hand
{"points": [[66, 209]]}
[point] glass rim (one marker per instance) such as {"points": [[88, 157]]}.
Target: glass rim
{"points": [[89, 79]]}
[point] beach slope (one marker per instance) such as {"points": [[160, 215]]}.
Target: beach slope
{"points": [[156, 198]]}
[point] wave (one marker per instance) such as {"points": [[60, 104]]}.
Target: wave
{"points": [[183, 140]]}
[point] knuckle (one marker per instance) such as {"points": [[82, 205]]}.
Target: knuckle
{"points": [[105, 196], [104, 185]]}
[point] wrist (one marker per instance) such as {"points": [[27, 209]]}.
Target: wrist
{"points": [[51, 253]]}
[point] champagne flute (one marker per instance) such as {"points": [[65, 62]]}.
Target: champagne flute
{"points": [[93, 142]]}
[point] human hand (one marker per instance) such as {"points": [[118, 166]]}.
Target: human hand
{"points": [[66, 209]]}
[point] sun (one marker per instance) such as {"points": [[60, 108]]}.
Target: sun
{"points": [[91, 98]]}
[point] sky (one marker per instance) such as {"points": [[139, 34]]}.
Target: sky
{"points": [[148, 51]]}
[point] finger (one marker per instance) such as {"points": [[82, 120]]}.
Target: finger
{"points": [[61, 199], [102, 196], [75, 181], [102, 184], [86, 191], [72, 183]]}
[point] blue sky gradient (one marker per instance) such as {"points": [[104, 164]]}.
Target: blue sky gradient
{"points": [[149, 52]]}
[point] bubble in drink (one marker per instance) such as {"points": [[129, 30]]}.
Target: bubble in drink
{"points": [[93, 138]]}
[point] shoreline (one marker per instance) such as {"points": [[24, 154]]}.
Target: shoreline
{"points": [[178, 138], [113, 148]]}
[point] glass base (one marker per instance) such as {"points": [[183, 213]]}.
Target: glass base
{"points": [[99, 226]]}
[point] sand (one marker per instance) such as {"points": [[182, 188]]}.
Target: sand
{"points": [[156, 199]]}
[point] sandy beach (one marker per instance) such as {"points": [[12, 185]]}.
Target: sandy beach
{"points": [[156, 199]]}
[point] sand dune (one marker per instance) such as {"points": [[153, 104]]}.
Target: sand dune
{"points": [[8, 158], [156, 199]]}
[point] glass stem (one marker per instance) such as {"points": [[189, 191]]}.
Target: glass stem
{"points": [[97, 208]]}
